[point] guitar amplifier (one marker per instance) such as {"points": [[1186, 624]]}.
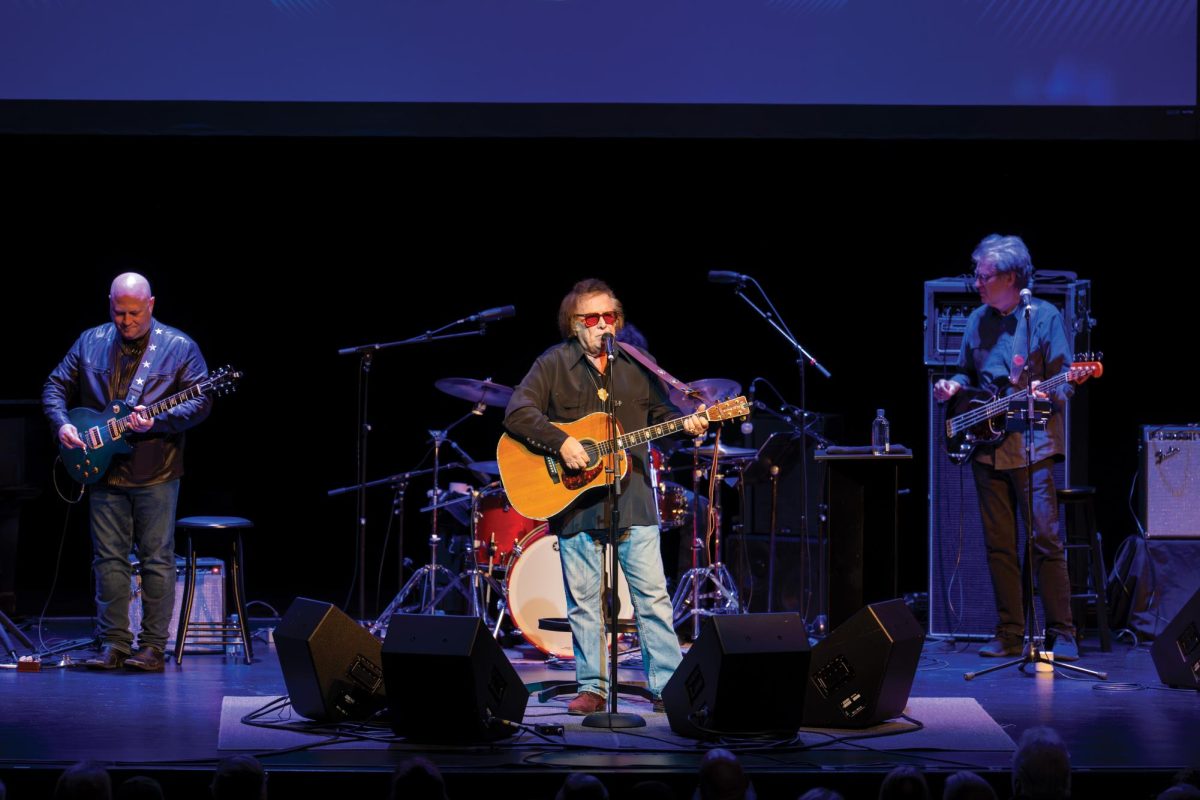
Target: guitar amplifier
{"points": [[1171, 481], [208, 605]]}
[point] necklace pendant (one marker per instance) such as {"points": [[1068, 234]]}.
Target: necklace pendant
{"points": [[603, 395]]}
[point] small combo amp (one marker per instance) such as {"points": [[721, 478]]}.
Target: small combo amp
{"points": [[208, 605], [1171, 481]]}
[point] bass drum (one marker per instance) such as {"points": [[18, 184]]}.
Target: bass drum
{"points": [[535, 591]]}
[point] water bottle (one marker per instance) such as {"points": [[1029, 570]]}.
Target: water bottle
{"points": [[881, 442], [233, 649]]}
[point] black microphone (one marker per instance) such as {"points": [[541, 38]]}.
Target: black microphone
{"points": [[723, 276], [610, 345], [491, 314], [1026, 300]]}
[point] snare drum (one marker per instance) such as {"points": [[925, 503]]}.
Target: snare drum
{"points": [[497, 517], [535, 591]]}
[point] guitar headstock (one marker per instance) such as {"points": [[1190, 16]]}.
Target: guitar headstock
{"points": [[737, 407], [223, 380], [1085, 365]]}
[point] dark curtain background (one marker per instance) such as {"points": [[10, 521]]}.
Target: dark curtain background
{"points": [[275, 253]]}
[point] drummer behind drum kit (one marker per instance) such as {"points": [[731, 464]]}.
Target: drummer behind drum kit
{"points": [[520, 551]]}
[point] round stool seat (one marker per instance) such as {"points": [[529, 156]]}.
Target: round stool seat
{"points": [[217, 523], [1076, 494]]}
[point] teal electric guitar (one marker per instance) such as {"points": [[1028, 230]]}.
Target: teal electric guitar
{"points": [[103, 432]]}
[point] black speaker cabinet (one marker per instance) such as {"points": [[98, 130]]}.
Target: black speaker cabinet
{"points": [[331, 665], [735, 678], [449, 680], [1176, 652], [861, 674], [962, 602]]}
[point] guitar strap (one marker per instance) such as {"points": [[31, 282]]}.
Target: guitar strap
{"points": [[149, 357], [1020, 352], [657, 371]]}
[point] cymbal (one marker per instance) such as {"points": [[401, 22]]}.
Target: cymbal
{"points": [[486, 392], [726, 451], [712, 390], [489, 467]]}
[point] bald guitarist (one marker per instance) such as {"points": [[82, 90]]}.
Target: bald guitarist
{"points": [[565, 384]]}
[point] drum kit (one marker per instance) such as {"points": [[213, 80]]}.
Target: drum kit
{"points": [[514, 561]]}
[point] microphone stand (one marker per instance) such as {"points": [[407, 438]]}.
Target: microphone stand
{"points": [[365, 353], [804, 359], [612, 473]]}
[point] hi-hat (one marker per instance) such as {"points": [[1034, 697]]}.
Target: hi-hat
{"points": [[476, 391], [710, 391], [488, 467]]}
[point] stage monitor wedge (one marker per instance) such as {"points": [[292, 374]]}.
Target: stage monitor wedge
{"points": [[861, 674], [736, 677], [331, 665], [1176, 651], [449, 680]]}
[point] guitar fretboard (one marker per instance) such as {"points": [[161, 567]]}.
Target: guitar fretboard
{"points": [[999, 406], [644, 435], [166, 404]]}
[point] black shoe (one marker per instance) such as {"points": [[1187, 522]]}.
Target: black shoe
{"points": [[148, 659], [109, 657], [1065, 648], [1003, 646]]}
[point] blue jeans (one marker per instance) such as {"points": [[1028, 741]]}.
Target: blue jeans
{"points": [[641, 563], [121, 518]]}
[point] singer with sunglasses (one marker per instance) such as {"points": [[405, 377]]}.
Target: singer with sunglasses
{"points": [[567, 383], [993, 356]]}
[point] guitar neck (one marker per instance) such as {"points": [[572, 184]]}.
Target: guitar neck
{"points": [[1000, 405], [651, 433], [167, 403]]}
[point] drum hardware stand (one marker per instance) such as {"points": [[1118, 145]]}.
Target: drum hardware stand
{"points": [[716, 572], [366, 353], [475, 584], [399, 483], [426, 578]]}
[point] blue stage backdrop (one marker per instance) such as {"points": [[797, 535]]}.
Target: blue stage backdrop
{"points": [[872, 52]]}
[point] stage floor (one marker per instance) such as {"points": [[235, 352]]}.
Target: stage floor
{"points": [[182, 721]]}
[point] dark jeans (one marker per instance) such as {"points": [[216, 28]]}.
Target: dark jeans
{"points": [[1000, 491], [121, 518]]}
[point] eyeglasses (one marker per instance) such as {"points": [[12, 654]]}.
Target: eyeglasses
{"points": [[984, 277], [592, 320]]}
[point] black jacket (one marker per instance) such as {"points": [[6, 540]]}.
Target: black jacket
{"points": [[83, 379]]}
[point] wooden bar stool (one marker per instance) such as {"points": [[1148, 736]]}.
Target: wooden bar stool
{"points": [[1087, 576], [200, 533]]}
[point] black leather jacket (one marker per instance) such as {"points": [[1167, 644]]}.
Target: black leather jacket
{"points": [[83, 379]]}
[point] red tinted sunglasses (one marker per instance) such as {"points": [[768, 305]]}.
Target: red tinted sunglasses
{"points": [[592, 320]]}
